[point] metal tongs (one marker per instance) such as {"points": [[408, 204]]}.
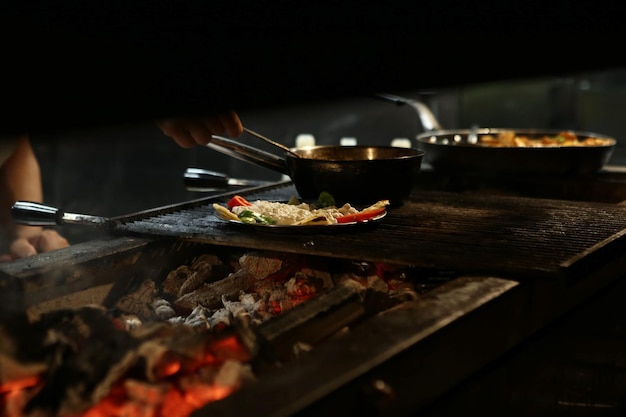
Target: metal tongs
{"points": [[37, 214], [271, 142]]}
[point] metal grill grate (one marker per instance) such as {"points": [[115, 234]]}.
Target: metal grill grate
{"points": [[507, 236]]}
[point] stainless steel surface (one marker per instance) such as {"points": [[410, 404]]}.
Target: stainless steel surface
{"points": [[198, 179], [426, 116]]}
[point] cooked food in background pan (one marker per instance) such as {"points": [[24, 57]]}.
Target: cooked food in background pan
{"points": [[511, 139]]}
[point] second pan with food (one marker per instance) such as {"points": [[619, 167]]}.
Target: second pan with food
{"points": [[507, 150], [474, 151]]}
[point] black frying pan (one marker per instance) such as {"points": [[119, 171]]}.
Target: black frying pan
{"points": [[354, 174], [457, 151]]}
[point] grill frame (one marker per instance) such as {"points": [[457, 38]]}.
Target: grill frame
{"points": [[409, 349]]}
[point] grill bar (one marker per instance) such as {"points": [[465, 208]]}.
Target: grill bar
{"points": [[504, 235]]}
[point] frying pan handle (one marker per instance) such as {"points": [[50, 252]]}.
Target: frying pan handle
{"points": [[427, 118], [248, 153]]}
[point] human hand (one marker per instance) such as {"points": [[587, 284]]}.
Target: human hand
{"points": [[189, 132], [45, 241]]}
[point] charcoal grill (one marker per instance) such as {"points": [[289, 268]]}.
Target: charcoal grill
{"points": [[514, 237], [513, 262]]}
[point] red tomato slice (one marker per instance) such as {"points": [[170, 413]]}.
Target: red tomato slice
{"points": [[237, 200], [361, 216]]}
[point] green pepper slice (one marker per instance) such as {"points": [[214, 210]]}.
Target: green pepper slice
{"points": [[248, 216]]}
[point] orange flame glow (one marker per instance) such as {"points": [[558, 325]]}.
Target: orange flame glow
{"points": [[19, 384]]}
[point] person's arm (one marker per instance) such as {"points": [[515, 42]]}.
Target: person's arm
{"points": [[189, 132], [20, 179]]}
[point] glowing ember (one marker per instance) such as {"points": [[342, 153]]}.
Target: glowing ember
{"points": [[167, 348]]}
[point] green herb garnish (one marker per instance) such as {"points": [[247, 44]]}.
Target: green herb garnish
{"points": [[248, 216], [325, 199]]}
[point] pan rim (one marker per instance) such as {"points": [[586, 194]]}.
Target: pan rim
{"points": [[400, 153], [426, 137]]}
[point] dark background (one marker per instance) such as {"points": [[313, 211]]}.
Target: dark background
{"points": [[88, 79], [79, 64]]}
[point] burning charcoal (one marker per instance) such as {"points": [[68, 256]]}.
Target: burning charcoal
{"points": [[323, 278], [402, 290], [149, 394], [261, 264], [344, 277], [221, 319], [175, 279], [169, 349], [313, 321], [176, 320], [246, 304], [162, 309], [202, 272], [245, 326], [198, 318], [87, 355], [227, 346], [204, 264], [249, 301], [192, 283], [273, 296], [382, 293], [376, 283], [210, 294], [151, 330], [186, 279], [233, 374], [140, 301], [302, 286], [209, 384], [279, 297], [129, 321], [242, 313], [158, 338]]}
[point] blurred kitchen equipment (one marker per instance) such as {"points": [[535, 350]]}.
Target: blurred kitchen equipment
{"points": [[457, 151], [198, 179]]}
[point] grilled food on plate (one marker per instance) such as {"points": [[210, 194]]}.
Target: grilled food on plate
{"points": [[297, 213]]}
